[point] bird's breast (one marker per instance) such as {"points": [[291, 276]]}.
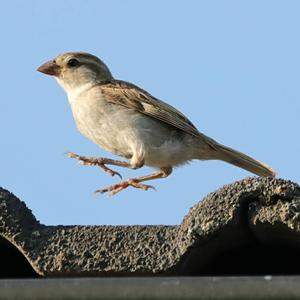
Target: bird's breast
{"points": [[106, 124]]}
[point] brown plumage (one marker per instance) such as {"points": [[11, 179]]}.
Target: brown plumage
{"points": [[128, 121]]}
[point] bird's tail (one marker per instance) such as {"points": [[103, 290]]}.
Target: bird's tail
{"points": [[243, 161]]}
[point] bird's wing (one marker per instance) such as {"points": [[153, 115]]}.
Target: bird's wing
{"points": [[128, 95]]}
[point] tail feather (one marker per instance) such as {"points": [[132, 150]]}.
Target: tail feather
{"points": [[243, 161]]}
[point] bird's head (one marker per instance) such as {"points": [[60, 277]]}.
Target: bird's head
{"points": [[75, 69]]}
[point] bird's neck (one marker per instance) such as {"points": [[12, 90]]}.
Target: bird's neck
{"points": [[74, 90], [77, 91]]}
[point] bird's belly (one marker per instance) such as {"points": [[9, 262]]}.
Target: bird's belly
{"points": [[170, 153], [128, 133]]}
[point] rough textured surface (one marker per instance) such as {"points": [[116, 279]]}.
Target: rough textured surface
{"points": [[238, 229]]}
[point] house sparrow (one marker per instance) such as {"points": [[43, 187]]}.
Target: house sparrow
{"points": [[127, 121]]}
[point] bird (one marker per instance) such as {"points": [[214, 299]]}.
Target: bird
{"points": [[129, 122]]}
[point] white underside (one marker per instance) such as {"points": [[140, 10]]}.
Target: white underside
{"points": [[126, 132]]}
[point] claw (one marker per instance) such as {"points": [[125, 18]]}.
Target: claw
{"points": [[88, 161], [112, 173], [116, 188], [140, 185], [72, 155], [134, 182]]}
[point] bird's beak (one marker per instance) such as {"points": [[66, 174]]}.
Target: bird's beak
{"points": [[50, 68]]}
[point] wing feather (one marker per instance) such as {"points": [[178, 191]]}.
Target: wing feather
{"points": [[128, 95]]}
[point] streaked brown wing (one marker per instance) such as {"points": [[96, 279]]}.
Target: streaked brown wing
{"points": [[128, 95]]}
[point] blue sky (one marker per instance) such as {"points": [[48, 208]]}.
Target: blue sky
{"points": [[231, 66]]}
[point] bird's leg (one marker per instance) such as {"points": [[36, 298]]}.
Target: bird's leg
{"points": [[136, 182], [102, 162]]}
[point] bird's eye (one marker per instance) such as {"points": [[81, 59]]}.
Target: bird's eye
{"points": [[73, 62]]}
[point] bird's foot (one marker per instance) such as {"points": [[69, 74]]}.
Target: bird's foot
{"points": [[116, 188], [95, 161]]}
